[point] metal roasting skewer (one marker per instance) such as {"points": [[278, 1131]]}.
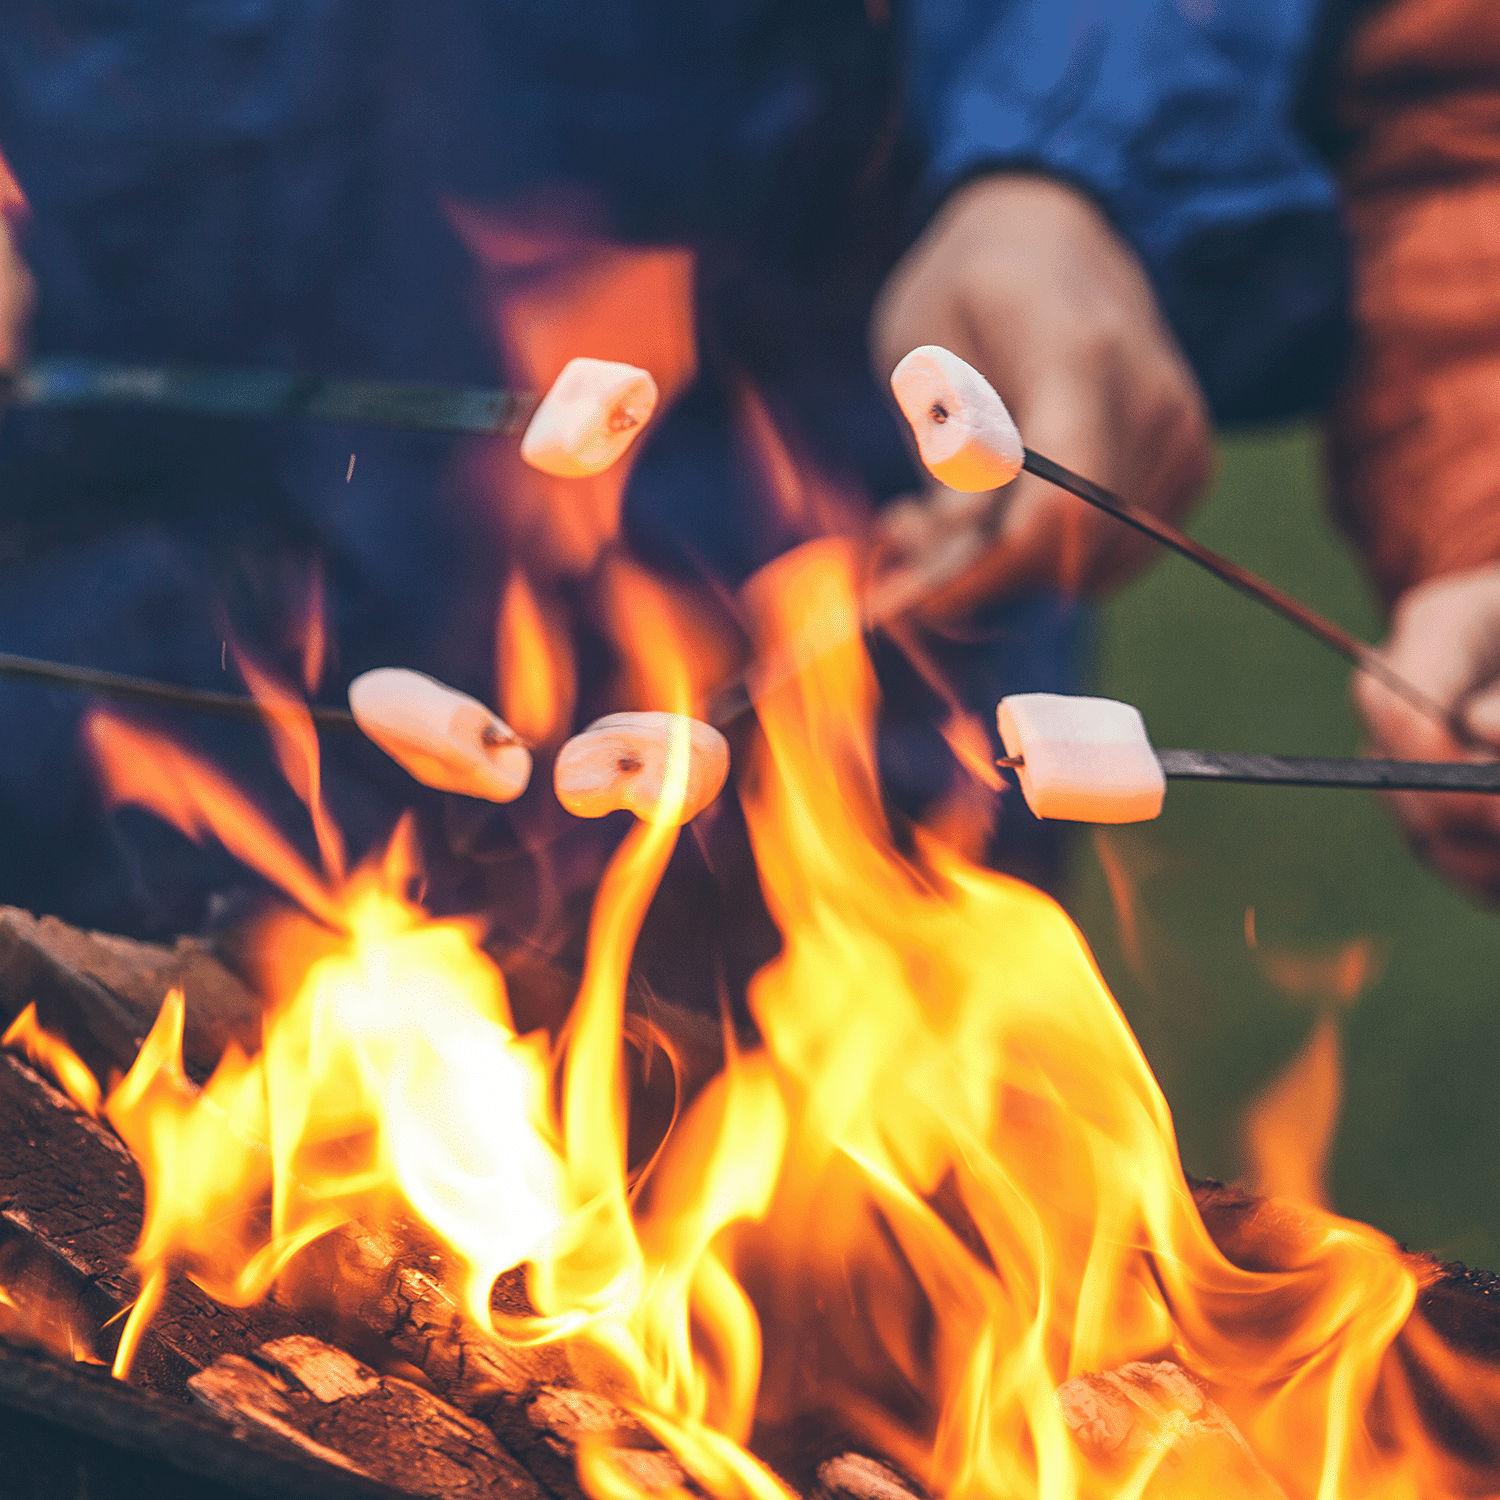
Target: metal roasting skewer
{"points": [[68, 381], [1355, 651], [162, 694], [74, 381], [1351, 772], [77, 381]]}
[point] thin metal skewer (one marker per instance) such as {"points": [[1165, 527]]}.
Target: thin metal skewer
{"points": [[1303, 770], [1357, 652], [67, 381], [163, 694], [1320, 771], [72, 381]]}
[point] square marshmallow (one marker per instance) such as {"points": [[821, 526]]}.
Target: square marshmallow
{"points": [[1086, 759]]}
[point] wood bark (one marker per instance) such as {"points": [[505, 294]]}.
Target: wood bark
{"points": [[101, 993], [380, 1427], [70, 1210], [422, 1402]]}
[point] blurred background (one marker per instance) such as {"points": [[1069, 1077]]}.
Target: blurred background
{"points": [[1301, 985]]}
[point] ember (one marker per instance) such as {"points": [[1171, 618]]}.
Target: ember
{"points": [[936, 1214]]}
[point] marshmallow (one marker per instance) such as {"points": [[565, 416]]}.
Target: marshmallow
{"points": [[444, 738], [589, 418], [1085, 759], [621, 761], [964, 433]]}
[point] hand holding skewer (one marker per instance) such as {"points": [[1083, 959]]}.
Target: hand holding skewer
{"points": [[1027, 281], [1445, 637]]}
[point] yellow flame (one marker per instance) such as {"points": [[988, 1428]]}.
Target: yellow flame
{"points": [[943, 1183], [56, 1058], [533, 664]]}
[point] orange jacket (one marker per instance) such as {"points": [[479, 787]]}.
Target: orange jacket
{"points": [[1414, 442]]}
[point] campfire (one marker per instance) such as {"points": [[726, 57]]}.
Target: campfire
{"points": [[926, 1234]]}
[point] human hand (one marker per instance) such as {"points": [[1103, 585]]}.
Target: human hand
{"points": [[1444, 639], [16, 290], [1024, 278]]}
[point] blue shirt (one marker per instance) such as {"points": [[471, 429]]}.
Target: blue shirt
{"points": [[263, 182]]}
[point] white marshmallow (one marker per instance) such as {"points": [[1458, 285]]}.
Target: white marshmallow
{"points": [[964, 433], [589, 418], [1085, 759], [621, 761], [443, 737]]}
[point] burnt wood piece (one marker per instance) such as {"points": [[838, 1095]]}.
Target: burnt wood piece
{"points": [[71, 1195], [101, 993], [545, 1428], [1455, 1305], [392, 1285], [70, 1430], [852, 1476], [1158, 1407], [342, 1412]]}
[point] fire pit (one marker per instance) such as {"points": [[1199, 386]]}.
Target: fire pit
{"points": [[928, 1234]]}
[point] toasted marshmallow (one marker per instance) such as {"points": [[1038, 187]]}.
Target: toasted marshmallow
{"points": [[1084, 759], [621, 761], [443, 737], [589, 418], [964, 433]]}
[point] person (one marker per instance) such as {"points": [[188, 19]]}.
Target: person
{"points": [[1412, 454], [1103, 206]]}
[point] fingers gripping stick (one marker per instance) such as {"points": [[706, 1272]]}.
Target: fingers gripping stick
{"points": [[444, 738], [589, 418], [1084, 759], [621, 761]]}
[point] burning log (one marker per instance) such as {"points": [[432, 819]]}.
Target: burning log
{"points": [[70, 1210], [332, 1406], [393, 1295], [101, 993], [1157, 1414], [70, 1430], [852, 1476]]}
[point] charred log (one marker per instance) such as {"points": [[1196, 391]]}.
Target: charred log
{"points": [[852, 1476], [70, 1212], [101, 993], [332, 1407], [68, 1429]]}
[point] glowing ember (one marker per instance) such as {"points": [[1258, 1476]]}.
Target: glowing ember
{"points": [[940, 1203]]}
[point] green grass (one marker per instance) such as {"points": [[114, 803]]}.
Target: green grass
{"points": [[1418, 1147]]}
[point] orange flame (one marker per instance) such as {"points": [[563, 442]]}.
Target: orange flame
{"points": [[295, 741], [533, 665], [1289, 1128], [55, 1057], [943, 1184], [135, 766]]}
